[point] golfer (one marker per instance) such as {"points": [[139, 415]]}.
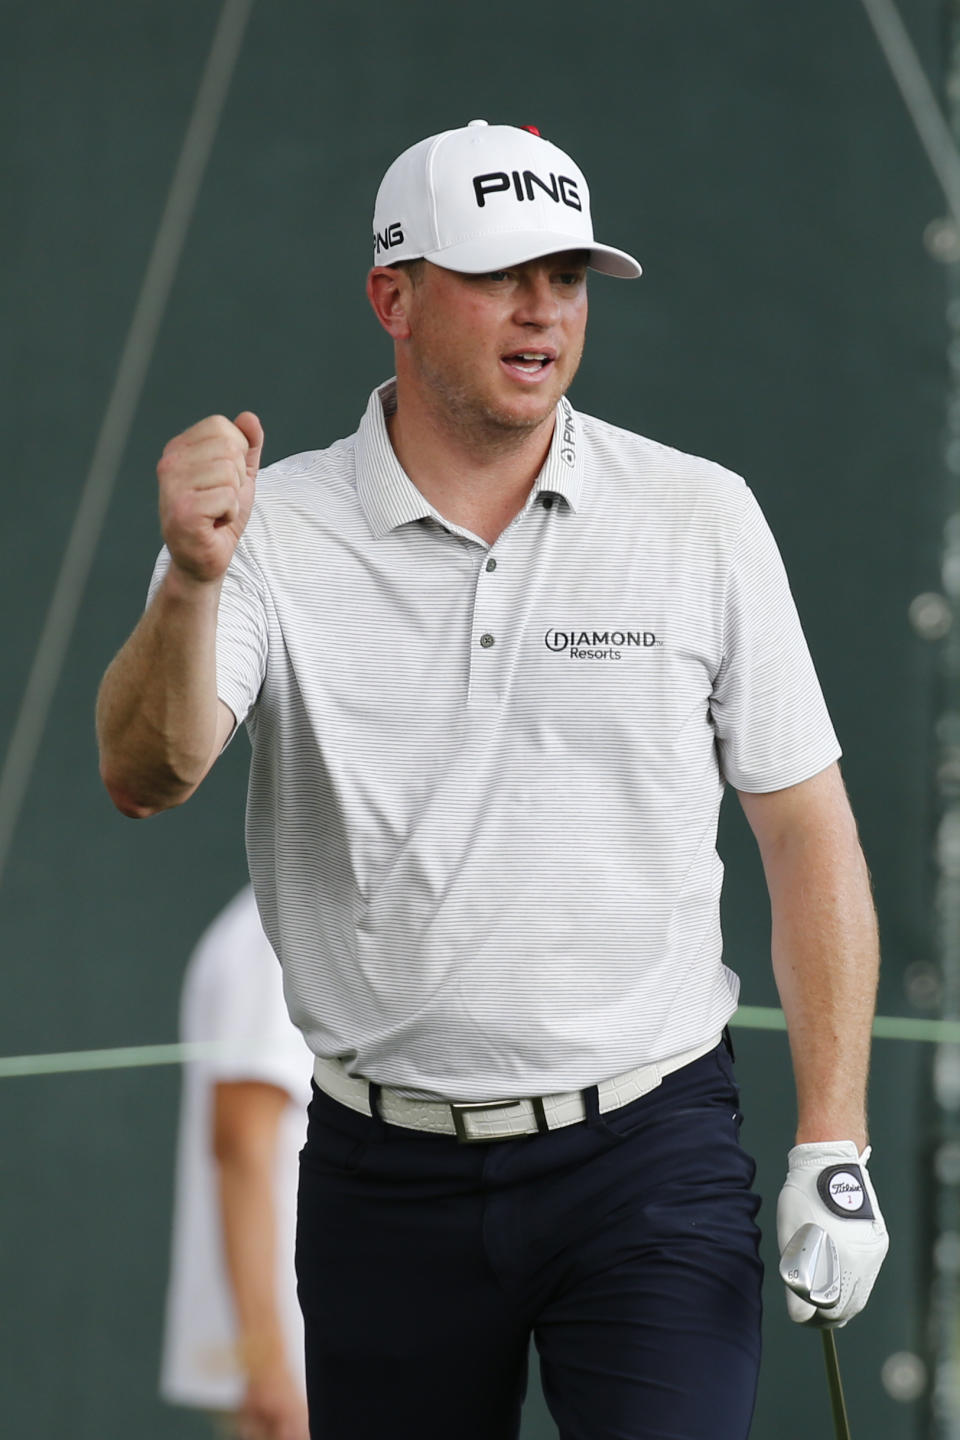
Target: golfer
{"points": [[497, 660]]}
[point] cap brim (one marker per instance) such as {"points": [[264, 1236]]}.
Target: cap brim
{"points": [[494, 252]]}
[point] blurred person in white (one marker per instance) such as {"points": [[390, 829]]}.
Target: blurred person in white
{"points": [[233, 1344]]}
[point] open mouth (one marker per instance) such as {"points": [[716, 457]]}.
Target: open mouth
{"points": [[530, 363]]}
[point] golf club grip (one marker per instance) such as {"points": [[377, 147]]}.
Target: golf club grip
{"points": [[841, 1424]]}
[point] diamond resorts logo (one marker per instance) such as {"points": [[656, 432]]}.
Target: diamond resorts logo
{"points": [[599, 644]]}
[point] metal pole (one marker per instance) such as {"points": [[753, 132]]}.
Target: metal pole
{"points": [[936, 617]]}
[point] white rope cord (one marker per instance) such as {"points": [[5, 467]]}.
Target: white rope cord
{"points": [[125, 1057], [118, 418], [130, 1057], [918, 96]]}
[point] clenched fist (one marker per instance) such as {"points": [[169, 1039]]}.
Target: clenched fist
{"points": [[207, 478]]}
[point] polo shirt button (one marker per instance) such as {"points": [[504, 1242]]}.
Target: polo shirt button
{"points": [[486, 641], [548, 502], [491, 563]]}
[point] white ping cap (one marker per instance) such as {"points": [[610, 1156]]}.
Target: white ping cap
{"points": [[485, 197]]}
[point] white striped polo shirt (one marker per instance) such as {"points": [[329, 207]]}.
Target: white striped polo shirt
{"points": [[486, 779]]}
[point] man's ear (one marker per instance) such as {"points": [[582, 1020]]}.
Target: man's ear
{"points": [[390, 292]]}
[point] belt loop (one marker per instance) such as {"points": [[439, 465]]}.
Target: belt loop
{"points": [[728, 1041], [376, 1110], [591, 1105]]}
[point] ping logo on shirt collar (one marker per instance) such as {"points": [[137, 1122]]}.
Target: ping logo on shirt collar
{"points": [[599, 644], [568, 434]]}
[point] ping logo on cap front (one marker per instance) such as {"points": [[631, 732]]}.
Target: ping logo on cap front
{"points": [[561, 189]]}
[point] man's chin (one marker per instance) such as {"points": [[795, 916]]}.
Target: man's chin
{"points": [[524, 412]]}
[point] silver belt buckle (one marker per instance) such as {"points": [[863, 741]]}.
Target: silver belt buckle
{"points": [[462, 1108]]}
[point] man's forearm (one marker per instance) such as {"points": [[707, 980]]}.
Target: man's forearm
{"points": [[825, 957], [157, 710]]}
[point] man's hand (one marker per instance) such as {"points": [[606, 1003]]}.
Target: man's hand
{"points": [[207, 477], [273, 1408], [827, 1185]]}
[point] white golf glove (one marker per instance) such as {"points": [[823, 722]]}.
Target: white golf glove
{"points": [[827, 1185]]}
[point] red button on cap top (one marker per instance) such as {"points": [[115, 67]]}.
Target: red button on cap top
{"points": [[532, 128]]}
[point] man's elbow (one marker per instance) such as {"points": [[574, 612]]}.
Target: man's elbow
{"points": [[135, 803]]}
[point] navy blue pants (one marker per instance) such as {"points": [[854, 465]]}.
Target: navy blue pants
{"points": [[626, 1245]]}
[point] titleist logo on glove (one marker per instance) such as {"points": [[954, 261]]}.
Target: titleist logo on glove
{"points": [[842, 1190]]}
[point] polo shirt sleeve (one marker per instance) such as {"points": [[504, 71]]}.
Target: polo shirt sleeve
{"points": [[770, 718], [241, 630]]}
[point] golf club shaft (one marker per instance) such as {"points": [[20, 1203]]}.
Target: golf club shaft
{"points": [[837, 1404]]}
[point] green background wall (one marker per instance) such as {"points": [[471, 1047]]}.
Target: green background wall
{"points": [[757, 158]]}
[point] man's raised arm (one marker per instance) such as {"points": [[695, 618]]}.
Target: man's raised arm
{"points": [[160, 724]]}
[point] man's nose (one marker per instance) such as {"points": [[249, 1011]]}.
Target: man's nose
{"points": [[537, 302]]}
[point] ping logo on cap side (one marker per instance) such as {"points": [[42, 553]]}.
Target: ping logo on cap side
{"points": [[843, 1192], [561, 189], [389, 238]]}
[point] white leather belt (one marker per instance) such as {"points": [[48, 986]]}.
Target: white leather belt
{"points": [[481, 1120]]}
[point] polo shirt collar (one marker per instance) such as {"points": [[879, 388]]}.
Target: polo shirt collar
{"points": [[389, 497], [562, 472]]}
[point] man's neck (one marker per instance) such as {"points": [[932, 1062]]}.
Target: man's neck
{"points": [[478, 480]]}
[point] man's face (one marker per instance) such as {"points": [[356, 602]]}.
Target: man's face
{"points": [[496, 351]]}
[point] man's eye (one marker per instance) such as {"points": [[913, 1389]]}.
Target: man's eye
{"points": [[570, 277], [497, 275]]}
